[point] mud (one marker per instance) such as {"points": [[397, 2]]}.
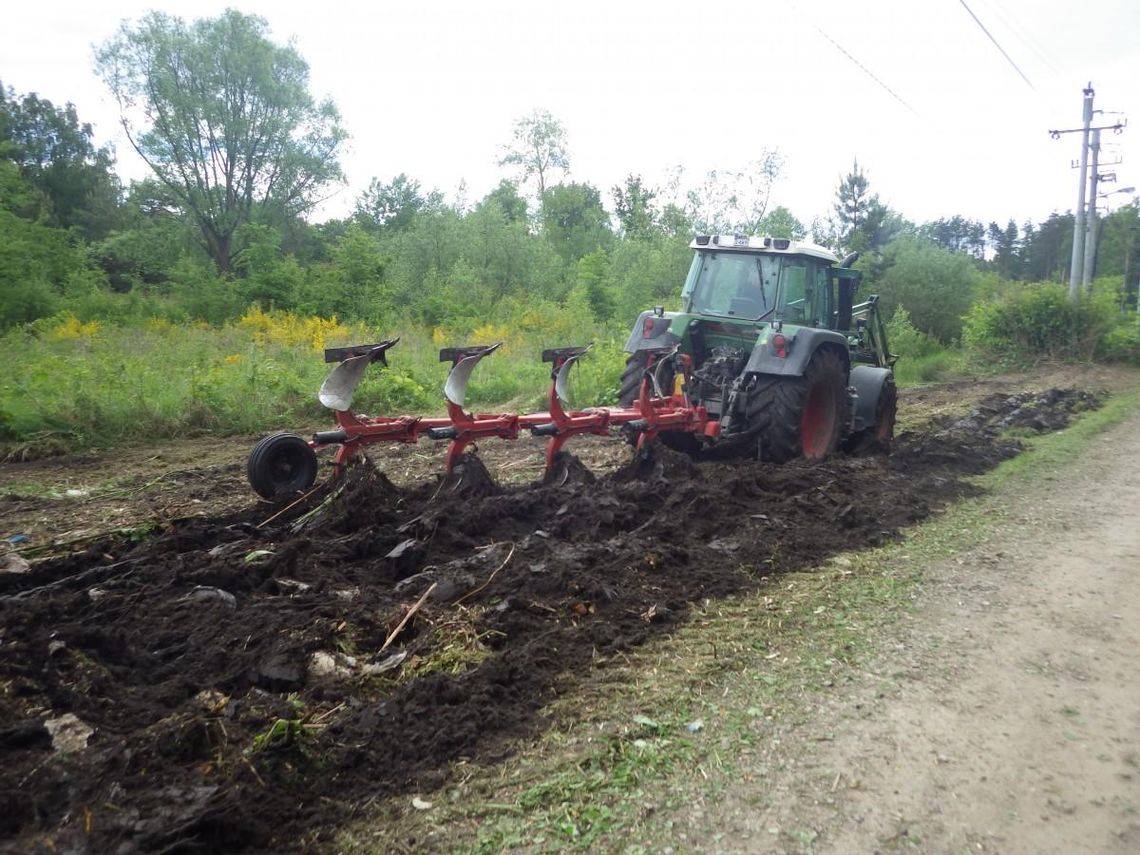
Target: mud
{"points": [[240, 682]]}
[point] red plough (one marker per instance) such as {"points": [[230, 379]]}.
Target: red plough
{"points": [[283, 464]]}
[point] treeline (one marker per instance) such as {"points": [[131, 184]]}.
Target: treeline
{"points": [[221, 226]]}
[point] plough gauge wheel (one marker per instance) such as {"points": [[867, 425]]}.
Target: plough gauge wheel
{"points": [[281, 464]]}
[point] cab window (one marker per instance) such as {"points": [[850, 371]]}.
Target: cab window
{"points": [[806, 296]]}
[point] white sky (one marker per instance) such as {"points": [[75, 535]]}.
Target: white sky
{"points": [[432, 88]]}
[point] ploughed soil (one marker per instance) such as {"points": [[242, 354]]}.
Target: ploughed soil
{"points": [[251, 676]]}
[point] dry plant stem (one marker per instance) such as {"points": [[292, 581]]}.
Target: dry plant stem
{"points": [[400, 626], [290, 506], [475, 591]]}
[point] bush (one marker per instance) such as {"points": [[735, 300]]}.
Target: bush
{"points": [[906, 340], [935, 285], [1122, 342], [922, 359], [1039, 321]]}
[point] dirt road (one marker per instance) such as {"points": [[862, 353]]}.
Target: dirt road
{"points": [[1004, 716]]}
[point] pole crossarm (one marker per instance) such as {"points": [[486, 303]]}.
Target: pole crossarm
{"points": [[1117, 128]]}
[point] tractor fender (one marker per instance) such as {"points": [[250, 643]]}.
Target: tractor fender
{"points": [[659, 334], [868, 382], [802, 345]]}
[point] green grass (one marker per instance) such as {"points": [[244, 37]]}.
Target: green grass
{"points": [[73, 385]]}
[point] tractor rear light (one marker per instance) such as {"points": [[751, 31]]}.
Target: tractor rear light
{"points": [[652, 327], [781, 243], [780, 345]]}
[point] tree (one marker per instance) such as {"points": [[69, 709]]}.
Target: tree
{"points": [[780, 222], [392, 207], [538, 146], [633, 206], [574, 220], [956, 234], [735, 200], [224, 119], [1006, 245], [860, 214], [506, 199], [1046, 249], [936, 286], [56, 155]]}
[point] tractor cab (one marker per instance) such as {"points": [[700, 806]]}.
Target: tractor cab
{"points": [[738, 277]]}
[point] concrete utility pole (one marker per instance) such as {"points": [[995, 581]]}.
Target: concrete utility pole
{"points": [[1090, 221], [1080, 262], [1076, 266]]}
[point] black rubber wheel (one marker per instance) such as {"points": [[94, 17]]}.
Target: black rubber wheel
{"points": [[879, 435], [800, 416], [631, 378], [281, 464]]}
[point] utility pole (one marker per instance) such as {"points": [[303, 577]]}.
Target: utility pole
{"points": [[1089, 259], [1077, 265]]}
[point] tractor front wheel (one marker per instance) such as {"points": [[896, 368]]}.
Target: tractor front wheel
{"points": [[800, 416], [281, 464], [879, 434]]}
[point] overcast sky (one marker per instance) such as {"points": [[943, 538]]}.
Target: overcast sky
{"points": [[938, 118]]}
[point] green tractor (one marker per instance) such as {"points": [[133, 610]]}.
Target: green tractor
{"points": [[771, 343]]}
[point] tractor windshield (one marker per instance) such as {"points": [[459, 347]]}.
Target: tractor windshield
{"points": [[734, 284]]}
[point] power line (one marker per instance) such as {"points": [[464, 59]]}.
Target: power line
{"points": [[864, 69], [998, 46], [1024, 36]]}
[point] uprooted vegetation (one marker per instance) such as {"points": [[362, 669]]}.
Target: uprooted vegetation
{"points": [[242, 681]]}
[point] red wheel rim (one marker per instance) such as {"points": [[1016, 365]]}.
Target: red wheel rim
{"points": [[819, 422], [885, 428]]}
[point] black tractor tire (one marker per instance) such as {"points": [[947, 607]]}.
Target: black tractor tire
{"points": [[630, 386], [877, 436], [635, 366], [281, 464], [800, 416]]}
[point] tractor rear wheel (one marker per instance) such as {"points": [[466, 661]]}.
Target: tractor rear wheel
{"points": [[800, 416], [281, 464], [882, 431], [631, 377]]}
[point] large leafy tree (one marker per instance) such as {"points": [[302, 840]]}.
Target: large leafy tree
{"points": [[392, 207], [506, 199], [224, 118], [634, 208], [936, 286], [780, 222], [70, 179], [956, 234], [537, 147], [574, 221]]}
